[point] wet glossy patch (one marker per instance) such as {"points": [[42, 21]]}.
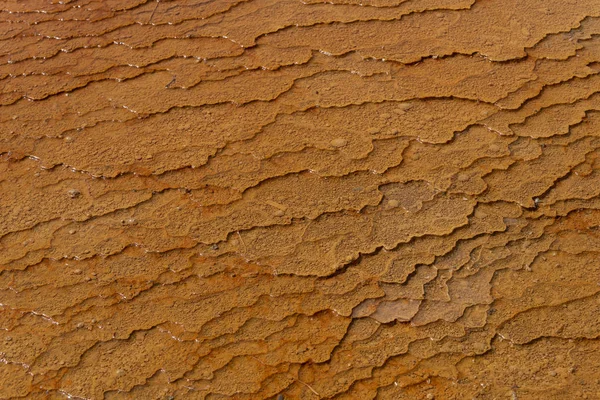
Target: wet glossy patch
{"points": [[252, 199]]}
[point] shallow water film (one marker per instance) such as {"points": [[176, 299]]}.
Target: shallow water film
{"points": [[284, 199]]}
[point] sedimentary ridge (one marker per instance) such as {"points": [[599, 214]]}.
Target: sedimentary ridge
{"points": [[284, 199]]}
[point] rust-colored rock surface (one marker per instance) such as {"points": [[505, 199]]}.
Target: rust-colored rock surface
{"points": [[285, 199]]}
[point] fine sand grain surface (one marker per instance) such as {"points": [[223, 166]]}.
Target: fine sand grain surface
{"points": [[285, 199]]}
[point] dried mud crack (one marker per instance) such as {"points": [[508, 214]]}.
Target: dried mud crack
{"points": [[285, 199]]}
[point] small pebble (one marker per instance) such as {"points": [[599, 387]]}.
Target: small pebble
{"points": [[480, 214], [373, 130], [494, 147], [279, 213], [77, 271], [393, 203], [430, 396], [552, 373], [339, 142], [404, 106], [73, 193], [463, 177]]}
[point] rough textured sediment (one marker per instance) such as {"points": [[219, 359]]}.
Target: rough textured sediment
{"points": [[392, 199]]}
